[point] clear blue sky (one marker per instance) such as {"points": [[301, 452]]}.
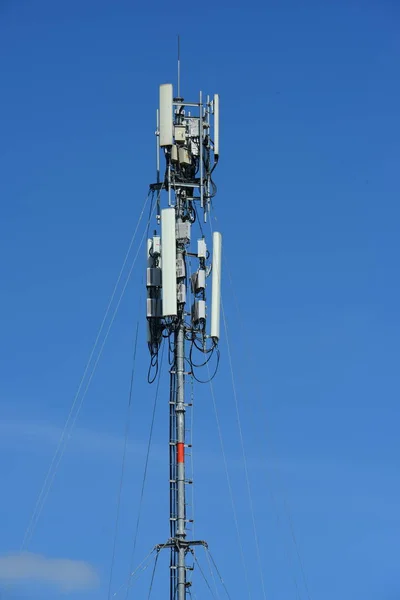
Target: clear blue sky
{"points": [[308, 204]]}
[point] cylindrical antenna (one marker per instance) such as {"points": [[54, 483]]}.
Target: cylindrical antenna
{"points": [[216, 125], [216, 285]]}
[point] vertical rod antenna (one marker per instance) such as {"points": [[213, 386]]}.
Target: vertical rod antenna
{"points": [[179, 66]]}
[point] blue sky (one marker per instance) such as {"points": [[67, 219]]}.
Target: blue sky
{"points": [[308, 205]]}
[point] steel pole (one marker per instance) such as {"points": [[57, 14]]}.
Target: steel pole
{"points": [[180, 457]]}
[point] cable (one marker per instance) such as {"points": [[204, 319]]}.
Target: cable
{"points": [[140, 568], [209, 351], [146, 466], [261, 406], [151, 210], [153, 365], [51, 473], [31, 525], [212, 573], [210, 377], [246, 471], [218, 573], [203, 574], [230, 487], [127, 427], [88, 384], [199, 221], [152, 575]]}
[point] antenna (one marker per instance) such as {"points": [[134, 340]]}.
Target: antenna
{"points": [[179, 66], [216, 285], [216, 125], [189, 143], [166, 125]]}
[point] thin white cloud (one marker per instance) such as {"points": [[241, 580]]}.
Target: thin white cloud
{"points": [[67, 575]]}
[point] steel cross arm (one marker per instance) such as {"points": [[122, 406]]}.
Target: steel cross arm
{"points": [[176, 543]]}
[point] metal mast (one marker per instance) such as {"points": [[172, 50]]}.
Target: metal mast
{"points": [[188, 137]]}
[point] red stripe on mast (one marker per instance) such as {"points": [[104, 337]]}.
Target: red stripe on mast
{"points": [[180, 452]]}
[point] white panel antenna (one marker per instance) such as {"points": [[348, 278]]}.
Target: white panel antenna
{"points": [[168, 253], [216, 125], [216, 285], [166, 117]]}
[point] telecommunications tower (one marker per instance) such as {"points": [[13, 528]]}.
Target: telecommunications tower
{"points": [[179, 266]]}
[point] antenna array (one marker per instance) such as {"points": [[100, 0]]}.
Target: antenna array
{"points": [[187, 136]]}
